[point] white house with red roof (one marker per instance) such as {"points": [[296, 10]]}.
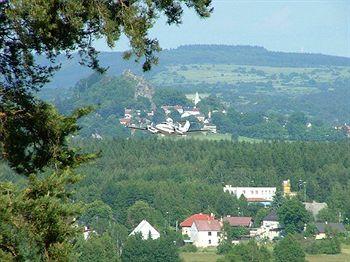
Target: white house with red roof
{"points": [[187, 223], [205, 233], [125, 121]]}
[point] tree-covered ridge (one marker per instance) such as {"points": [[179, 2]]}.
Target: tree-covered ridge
{"points": [[247, 55], [138, 179], [71, 72], [184, 177]]}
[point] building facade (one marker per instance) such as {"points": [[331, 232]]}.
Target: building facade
{"points": [[205, 233], [252, 194], [270, 227], [146, 229], [186, 225]]}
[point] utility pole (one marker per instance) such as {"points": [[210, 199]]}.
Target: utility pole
{"points": [[304, 191]]}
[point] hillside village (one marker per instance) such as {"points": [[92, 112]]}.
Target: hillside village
{"points": [[204, 230], [212, 112], [136, 117]]}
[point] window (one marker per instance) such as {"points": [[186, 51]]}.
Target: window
{"points": [[209, 233], [218, 234], [209, 241]]}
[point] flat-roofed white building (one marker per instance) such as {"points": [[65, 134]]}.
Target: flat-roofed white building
{"points": [[252, 194]]}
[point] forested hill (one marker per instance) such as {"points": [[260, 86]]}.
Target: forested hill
{"points": [[71, 71], [247, 55]]}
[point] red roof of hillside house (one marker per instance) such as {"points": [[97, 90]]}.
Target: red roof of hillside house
{"points": [[238, 221], [189, 221], [125, 121], [258, 200], [207, 225]]}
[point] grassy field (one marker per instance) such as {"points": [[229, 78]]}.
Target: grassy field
{"points": [[201, 136], [201, 95], [248, 139], [199, 257], [209, 136], [291, 80], [213, 137], [211, 256], [203, 255], [343, 257]]}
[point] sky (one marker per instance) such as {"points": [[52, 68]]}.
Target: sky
{"points": [[321, 26]]}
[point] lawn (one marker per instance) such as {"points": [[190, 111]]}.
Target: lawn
{"points": [[211, 256], [201, 95], [248, 139], [344, 256], [202, 255], [199, 257], [201, 136], [230, 74], [209, 136], [213, 137]]}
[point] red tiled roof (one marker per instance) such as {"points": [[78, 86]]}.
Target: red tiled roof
{"points": [[124, 120], [239, 221], [258, 200], [207, 225], [189, 221]]}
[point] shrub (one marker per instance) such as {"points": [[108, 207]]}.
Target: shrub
{"points": [[289, 250], [189, 248], [224, 247], [325, 246]]}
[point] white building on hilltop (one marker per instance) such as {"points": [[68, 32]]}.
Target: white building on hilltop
{"points": [[196, 99], [146, 230], [252, 194]]}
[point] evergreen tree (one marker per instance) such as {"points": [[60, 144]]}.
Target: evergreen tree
{"points": [[37, 223]]}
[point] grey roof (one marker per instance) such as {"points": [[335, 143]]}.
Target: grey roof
{"points": [[314, 207], [271, 217], [321, 227]]}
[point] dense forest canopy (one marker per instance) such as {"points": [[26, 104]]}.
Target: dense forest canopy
{"points": [[187, 176], [38, 222]]}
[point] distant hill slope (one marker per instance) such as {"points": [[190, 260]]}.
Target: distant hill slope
{"points": [[71, 71], [247, 55]]}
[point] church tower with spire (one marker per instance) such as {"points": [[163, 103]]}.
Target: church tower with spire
{"points": [[196, 99]]}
